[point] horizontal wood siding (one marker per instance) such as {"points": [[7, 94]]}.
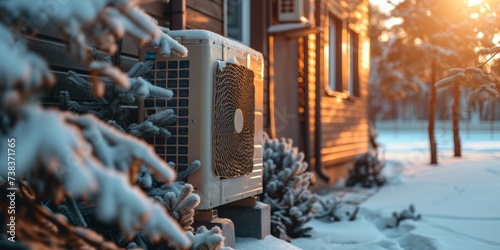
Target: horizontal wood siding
{"points": [[344, 123], [259, 41], [205, 14], [48, 44], [310, 63]]}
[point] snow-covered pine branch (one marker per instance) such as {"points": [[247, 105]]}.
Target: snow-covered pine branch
{"points": [[21, 72], [109, 108], [487, 51], [450, 80], [180, 202], [90, 158], [286, 181], [97, 108], [80, 156], [103, 22], [484, 86], [179, 198], [208, 239]]}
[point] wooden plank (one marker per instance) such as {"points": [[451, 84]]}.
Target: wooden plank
{"points": [[156, 10], [342, 155], [130, 47], [54, 53], [333, 139], [330, 134], [345, 147], [345, 122], [61, 73], [338, 146], [209, 8], [340, 160], [198, 20]]}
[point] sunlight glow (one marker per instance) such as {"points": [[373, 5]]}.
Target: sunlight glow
{"points": [[474, 2], [417, 41], [384, 6], [496, 39]]}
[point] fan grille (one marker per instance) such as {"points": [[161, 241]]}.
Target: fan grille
{"points": [[233, 151]]}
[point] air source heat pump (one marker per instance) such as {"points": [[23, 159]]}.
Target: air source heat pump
{"points": [[218, 98], [291, 10]]}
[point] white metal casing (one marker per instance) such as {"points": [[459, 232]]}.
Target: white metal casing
{"points": [[205, 50]]}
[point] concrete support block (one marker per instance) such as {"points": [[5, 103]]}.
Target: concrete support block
{"points": [[249, 221]]}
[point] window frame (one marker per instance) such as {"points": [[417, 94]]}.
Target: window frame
{"points": [[334, 87], [353, 76], [347, 85], [244, 6]]}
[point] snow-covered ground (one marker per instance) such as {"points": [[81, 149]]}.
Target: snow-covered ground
{"points": [[459, 199]]}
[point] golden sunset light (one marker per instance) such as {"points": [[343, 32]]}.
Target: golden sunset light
{"points": [[474, 2], [246, 124]]}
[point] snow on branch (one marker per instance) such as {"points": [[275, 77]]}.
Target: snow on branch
{"points": [[89, 158], [102, 22], [487, 51], [286, 181], [20, 70], [179, 198], [154, 125], [485, 86], [66, 155], [208, 239], [449, 81]]}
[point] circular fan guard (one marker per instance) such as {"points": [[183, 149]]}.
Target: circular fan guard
{"points": [[233, 151]]}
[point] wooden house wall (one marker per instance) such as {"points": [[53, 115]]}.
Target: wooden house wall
{"points": [[344, 122], [207, 14], [259, 41]]}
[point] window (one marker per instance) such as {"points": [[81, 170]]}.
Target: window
{"points": [[353, 84], [334, 54], [238, 20], [342, 59]]}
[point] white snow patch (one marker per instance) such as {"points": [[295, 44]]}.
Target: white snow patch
{"points": [[233, 60], [222, 64], [268, 243], [458, 199], [205, 34]]}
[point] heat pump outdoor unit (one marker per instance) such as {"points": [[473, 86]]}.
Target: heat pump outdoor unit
{"points": [[291, 10], [218, 98]]}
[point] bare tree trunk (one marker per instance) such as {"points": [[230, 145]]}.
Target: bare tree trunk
{"points": [[493, 117], [432, 114], [456, 121]]}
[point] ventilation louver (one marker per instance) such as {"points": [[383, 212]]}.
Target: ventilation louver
{"points": [[290, 10], [287, 6], [233, 117]]}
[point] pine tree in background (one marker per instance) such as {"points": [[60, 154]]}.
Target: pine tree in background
{"points": [[286, 183], [368, 167], [68, 155], [443, 33], [485, 86]]}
